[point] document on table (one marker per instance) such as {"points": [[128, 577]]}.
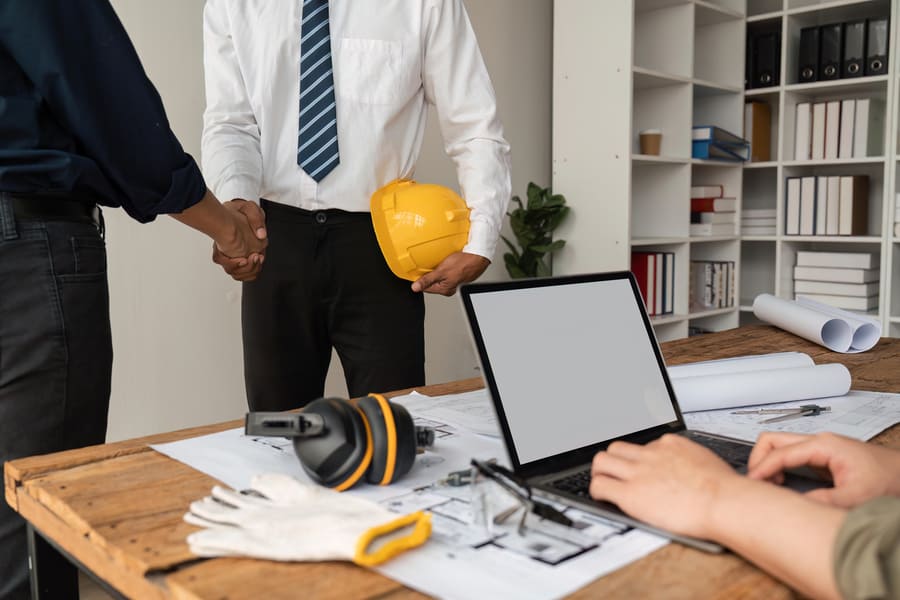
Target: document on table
{"points": [[860, 415], [469, 410], [462, 559]]}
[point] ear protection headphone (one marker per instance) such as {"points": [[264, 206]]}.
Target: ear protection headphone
{"points": [[339, 442]]}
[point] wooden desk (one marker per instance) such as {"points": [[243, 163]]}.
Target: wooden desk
{"points": [[116, 510]]}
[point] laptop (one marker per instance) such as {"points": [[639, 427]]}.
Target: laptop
{"points": [[572, 364]]}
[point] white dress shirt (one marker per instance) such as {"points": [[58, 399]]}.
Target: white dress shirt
{"points": [[391, 59]]}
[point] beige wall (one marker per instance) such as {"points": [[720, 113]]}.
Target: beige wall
{"points": [[176, 317]]}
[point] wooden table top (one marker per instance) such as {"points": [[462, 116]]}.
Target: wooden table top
{"points": [[118, 509]]}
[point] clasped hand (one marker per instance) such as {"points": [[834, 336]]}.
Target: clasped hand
{"points": [[242, 256]]}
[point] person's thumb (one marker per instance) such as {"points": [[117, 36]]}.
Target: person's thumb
{"points": [[256, 218], [425, 281], [830, 496]]}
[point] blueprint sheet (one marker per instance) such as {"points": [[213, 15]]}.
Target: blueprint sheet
{"points": [[466, 557]]}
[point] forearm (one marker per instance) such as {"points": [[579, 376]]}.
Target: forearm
{"points": [[210, 217], [780, 531]]}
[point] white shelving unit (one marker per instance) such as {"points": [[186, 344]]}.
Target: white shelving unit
{"points": [[624, 66], [619, 68], [767, 262]]}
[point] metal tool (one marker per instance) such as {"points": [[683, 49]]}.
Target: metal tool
{"points": [[807, 410]]}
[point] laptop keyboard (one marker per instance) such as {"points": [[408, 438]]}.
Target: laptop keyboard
{"points": [[733, 453], [576, 483]]}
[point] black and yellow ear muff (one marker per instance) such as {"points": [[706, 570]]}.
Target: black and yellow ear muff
{"points": [[339, 458], [393, 439], [339, 442]]}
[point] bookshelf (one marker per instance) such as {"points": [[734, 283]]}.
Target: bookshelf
{"points": [[646, 73], [767, 261], [635, 61]]}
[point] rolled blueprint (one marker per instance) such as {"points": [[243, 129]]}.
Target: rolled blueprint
{"points": [[727, 390], [760, 362], [836, 329]]}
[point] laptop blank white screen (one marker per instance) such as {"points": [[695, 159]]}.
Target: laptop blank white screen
{"points": [[573, 363]]}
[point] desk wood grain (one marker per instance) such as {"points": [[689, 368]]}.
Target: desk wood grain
{"points": [[117, 508]]}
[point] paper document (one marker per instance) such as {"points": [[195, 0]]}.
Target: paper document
{"points": [[751, 380], [860, 415], [836, 329], [470, 410], [463, 558]]}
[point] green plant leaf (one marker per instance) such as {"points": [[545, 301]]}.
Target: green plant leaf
{"points": [[542, 269], [513, 250], [513, 268], [535, 195], [556, 200]]}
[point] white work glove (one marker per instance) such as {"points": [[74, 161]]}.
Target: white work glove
{"points": [[281, 518]]}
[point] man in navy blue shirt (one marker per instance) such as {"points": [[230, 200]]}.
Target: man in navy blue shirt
{"points": [[80, 126]]}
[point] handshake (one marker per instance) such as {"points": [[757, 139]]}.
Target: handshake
{"points": [[241, 248]]}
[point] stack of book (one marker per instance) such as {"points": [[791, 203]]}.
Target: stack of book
{"points": [[655, 275], [711, 212], [836, 129], [711, 285], [832, 205], [758, 221], [846, 280], [715, 143]]}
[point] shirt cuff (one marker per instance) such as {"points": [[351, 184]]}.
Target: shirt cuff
{"points": [[482, 240], [237, 187]]}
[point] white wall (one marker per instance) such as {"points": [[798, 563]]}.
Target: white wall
{"points": [[176, 316]]}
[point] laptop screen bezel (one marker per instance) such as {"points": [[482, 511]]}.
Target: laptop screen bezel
{"points": [[578, 456]]}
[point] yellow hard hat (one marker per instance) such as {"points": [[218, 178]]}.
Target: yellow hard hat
{"points": [[418, 225]]}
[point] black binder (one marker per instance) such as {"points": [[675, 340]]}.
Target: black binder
{"points": [[808, 58], [877, 47], [748, 62], [853, 63], [830, 52], [766, 59]]}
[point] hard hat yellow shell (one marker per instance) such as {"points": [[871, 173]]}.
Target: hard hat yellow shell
{"points": [[418, 225]]}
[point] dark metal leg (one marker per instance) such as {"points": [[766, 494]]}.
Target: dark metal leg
{"points": [[53, 576]]}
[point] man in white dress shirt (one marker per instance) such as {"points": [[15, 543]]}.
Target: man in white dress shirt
{"points": [[313, 105]]}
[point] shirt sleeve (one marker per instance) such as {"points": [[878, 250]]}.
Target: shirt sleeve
{"points": [[82, 63], [457, 83], [867, 551], [231, 155]]}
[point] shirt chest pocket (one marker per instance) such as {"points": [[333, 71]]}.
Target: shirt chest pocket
{"points": [[374, 71]]}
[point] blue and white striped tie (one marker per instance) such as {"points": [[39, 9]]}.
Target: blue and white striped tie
{"points": [[317, 143]]}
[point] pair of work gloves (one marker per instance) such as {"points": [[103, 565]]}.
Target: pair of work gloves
{"points": [[280, 518]]}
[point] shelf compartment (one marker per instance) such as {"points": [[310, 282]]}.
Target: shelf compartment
{"points": [[757, 274], [790, 247], [660, 43], [762, 9], [715, 35], [875, 172], [667, 108]]}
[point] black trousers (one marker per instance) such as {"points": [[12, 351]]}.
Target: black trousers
{"points": [[55, 354], [325, 284]]}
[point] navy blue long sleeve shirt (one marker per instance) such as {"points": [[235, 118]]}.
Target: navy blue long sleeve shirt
{"points": [[78, 115]]}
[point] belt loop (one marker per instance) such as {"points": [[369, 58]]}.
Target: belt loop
{"points": [[7, 219]]}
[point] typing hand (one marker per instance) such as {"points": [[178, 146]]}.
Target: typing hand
{"points": [[244, 262], [456, 269], [860, 471], [671, 482]]}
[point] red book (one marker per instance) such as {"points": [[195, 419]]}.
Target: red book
{"points": [[713, 204], [642, 265]]}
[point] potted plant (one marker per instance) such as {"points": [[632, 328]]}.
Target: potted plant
{"points": [[533, 225]]}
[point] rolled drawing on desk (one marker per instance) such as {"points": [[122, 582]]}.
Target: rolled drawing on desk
{"points": [[836, 329], [753, 380]]}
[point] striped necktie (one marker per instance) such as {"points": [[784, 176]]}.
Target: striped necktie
{"points": [[317, 143]]}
